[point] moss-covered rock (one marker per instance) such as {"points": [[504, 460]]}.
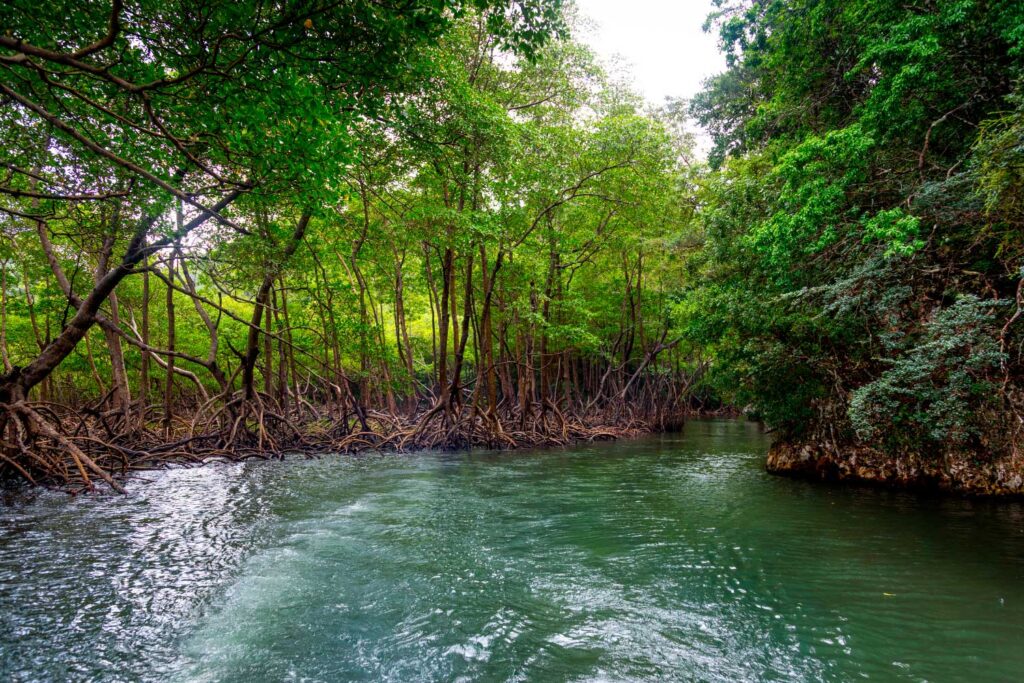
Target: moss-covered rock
{"points": [[961, 472]]}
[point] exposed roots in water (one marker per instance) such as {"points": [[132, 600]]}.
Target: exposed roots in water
{"points": [[80, 450]]}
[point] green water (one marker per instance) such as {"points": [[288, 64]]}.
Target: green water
{"points": [[671, 558]]}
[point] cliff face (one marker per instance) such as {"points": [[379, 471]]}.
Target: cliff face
{"points": [[956, 472]]}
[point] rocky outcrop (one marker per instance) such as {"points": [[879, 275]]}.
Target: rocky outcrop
{"points": [[958, 472]]}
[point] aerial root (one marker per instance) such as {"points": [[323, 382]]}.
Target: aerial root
{"points": [[54, 445]]}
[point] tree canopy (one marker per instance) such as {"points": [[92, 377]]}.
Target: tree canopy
{"points": [[234, 228], [237, 229], [861, 274]]}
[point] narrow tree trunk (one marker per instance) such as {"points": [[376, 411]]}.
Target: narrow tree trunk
{"points": [[171, 341], [100, 386], [119, 374], [268, 351], [290, 348], [434, 314], [442, 357], [402, 335], [282, 358], [460, 353], [486, 361], [144, 364], [252, 348], [3, 316]]}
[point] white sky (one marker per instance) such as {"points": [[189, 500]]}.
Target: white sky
{"points": [[661, 40]]}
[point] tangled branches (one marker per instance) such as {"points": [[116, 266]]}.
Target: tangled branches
{"points": [[77, 450]]}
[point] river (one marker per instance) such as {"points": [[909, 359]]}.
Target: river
{"points": [[664, 558]]}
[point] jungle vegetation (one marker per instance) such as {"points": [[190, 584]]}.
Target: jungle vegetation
{"points": [[241, 229], [236, 229], [863, 227]]}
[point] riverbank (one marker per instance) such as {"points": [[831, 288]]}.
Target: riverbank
{"points": [[958, 472], [81, 451]]}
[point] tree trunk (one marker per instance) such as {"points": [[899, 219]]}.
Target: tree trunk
{"points": [[252, 347], [169, 378], [144, 364], [442, 342], [460, 353], [268, 349], [16, 385], [3, 316]]}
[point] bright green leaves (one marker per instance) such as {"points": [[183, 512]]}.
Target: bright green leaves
{"points": [[872, 210], [815, 182], [898, 231]]}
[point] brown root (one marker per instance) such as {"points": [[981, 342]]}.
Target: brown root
{"points": [[54, 445]]}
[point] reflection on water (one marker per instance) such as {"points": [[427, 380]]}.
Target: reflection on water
{"points": [[664, 558]]}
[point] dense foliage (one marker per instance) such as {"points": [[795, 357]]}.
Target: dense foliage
{"points": [[864, 236], [357, 224], [235, 228]]}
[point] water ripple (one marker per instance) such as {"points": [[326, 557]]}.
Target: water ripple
{"points": [[660, 559]]}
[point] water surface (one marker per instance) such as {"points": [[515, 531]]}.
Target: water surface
{"points": [[672, 558]]}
